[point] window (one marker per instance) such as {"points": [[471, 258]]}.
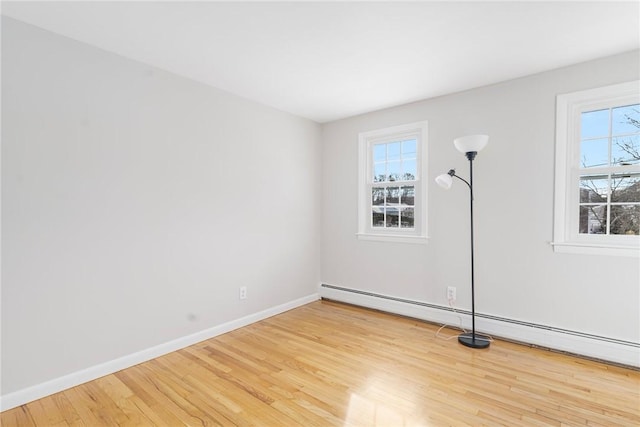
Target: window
{"points": [[392, 191], [597, 200]]}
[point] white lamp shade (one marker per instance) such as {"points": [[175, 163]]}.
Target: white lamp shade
{"points": [[444, 181], [469, 143]]}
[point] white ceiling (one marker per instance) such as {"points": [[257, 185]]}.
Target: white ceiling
{"points": [[331, 60]]}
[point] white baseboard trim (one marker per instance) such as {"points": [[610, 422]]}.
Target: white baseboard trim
{"points": [[38, 391], [578, 343]]}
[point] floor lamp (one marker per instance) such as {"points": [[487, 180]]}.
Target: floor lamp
{"points": [[469, 145]]}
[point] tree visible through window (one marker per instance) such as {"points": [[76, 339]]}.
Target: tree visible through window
{"points": [[393, 191], [609, 195]]}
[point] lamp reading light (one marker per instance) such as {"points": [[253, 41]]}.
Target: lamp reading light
{"points": [[445, 179], [469, 145]]}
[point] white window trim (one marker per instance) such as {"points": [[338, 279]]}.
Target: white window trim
{"points": [[418, 235], [566, 238]]}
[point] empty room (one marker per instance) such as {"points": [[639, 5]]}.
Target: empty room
{"points": [[320, 213]]}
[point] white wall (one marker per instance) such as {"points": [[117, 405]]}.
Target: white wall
{"points": [[518, 275], [136, 203]]}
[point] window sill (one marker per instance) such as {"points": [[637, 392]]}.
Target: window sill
{"points": [[596, 249], [393, 238]]}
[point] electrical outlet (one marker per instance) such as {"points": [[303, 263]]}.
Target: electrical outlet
{"points": [[451, 293], [243, 292]]}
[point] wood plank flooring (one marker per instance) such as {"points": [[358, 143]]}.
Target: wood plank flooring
{"points": [[330, 364]]}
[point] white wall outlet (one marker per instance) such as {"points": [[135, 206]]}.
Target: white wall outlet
{"points": [[243, 292], [451, 293]]}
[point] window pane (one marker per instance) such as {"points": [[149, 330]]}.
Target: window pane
{"points": [[393, 170], [594, 153], [594, 189], [379, 152], [594, 124], [625, 188], [626, 119], [409, 149], [406, 218], [625, 150], [377, 196], [593, 219], [377, 217], [393, 195], [379, 172], [625, 219], [407, 196], [392, 217], [393, 151], [409, 170]]}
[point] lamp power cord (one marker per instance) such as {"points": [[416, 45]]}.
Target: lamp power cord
{"points": [[460, 327]]}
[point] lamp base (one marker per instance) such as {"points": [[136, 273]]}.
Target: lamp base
{"points": [[477, 341]]}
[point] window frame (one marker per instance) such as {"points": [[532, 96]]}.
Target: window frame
{"points": [[569, 107], [366, 141]]}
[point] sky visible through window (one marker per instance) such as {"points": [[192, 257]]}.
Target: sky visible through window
{"points": [[394, 161], [614, 132]]}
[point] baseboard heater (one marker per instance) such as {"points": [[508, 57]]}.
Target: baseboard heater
{"points": [[580, 343]]}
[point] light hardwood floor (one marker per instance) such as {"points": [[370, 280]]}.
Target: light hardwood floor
{"points": [[330, 364]]}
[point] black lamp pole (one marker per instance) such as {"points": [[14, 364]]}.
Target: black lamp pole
{"points": [[472, 339]]}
